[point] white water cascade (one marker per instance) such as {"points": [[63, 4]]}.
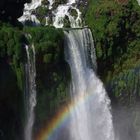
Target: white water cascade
{"points": [[91, 118], [30, 92], [64, 10], [27, 14], [58, 14]]}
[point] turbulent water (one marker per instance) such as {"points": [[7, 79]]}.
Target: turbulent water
{"points": [[91, 119], [64, 10], [30, 92], [29, 8], [58, 14]]}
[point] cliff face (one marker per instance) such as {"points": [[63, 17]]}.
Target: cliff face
{"points": [[11, 83], [10, 10], [115, 26], [53, 72], [52, 77]]}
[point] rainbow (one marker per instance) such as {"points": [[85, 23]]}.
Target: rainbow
{"points": [[61, 117]]}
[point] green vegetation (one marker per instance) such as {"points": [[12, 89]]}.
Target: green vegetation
{"points": [[52, 71], [58, 2], [116, 32], [48, 42], [41, 13], [52, 75], [125, 87], [73, 13], [12, 49], [12, 60]]}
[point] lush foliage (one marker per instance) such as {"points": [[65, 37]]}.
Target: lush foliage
{"points": [[12, 49], [52, 75], [52, 71], [11, 82], [116, 30], [41, 12]]}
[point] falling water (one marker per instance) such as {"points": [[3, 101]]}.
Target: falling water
{"points": [[28, 9], [30, 92], [91, 119], [62, 11], [58, 14]]}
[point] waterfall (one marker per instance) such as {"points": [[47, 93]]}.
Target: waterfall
{"points": [[28, 9], [30, 92], [91, 119], [58, 14], [62, 11]]}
